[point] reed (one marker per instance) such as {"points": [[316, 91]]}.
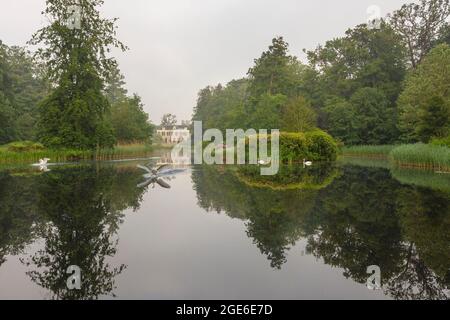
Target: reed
{"points": [[423, 156], [372, 151], [32, 156]]}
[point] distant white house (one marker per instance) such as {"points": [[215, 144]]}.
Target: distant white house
{"points": [[174, 135]]}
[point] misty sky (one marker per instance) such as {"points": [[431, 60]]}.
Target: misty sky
{"points": [[178, 47]]}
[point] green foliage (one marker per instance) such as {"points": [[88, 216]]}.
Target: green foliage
{"points": [[434, 120], [274, 72], [72, 116], [129, 120], [24, 146], [21, 88], [298, 115], [441, 142], [365, 119], [76, 121], [31, 152], [357, 83], [267, 112], [313, 145], [368, 150], [270, 98], [223, 107], [321, 146], [429, 80]]}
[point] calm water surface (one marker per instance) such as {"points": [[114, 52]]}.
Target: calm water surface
{"points": [[225, 232]]}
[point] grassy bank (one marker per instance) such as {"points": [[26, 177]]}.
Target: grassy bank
{"points": [[11, 154], [381, 151], [421, 156]]}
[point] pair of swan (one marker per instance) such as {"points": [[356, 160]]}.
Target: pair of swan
{"points": [[157, 175]]}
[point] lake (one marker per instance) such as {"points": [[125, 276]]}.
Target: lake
{"points": [[224, 232]]}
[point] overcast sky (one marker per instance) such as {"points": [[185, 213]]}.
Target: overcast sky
{"points": [[178, 47]]}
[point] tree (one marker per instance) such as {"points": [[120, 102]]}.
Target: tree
{"points": [[28, 88], [267, 112], [430, 79], [274, 72], [129, 120], [21, 88], [169, 120], [77, 64], [298, 116], [362, 58], [419, 26], [7, 132], [434, 120], [374, 121], [340, 118], [115, 87]]}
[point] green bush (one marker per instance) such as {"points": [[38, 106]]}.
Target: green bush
{"points": [[314, 146], [443, 142], [321, 146], [24, 146]]}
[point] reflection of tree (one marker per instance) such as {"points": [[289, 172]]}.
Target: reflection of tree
{"points": [[355, 224], [82, 208], [425, 220], [17, 214], [289, 177], [274, 216], [364, 217], [368, 227]]}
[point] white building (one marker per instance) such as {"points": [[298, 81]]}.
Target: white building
{"points": [[174, 135]]}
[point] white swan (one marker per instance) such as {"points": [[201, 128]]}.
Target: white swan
{"points": [[263, 163], [307, 163], [43, 162]]}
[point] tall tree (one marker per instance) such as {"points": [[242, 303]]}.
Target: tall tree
{"points": [[298, 115], [115, 86], [22, 87], [430, 79], [129, 120], [274, 72], [420, 25], [169, 120], [434, 120], [78, 63]]}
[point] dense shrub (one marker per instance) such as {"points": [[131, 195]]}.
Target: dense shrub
{"points": [[314, 145], [24, 146], [444, 142]]}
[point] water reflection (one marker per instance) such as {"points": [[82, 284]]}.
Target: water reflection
{"points": [[77, 211], [351, 219], [351, 216]]}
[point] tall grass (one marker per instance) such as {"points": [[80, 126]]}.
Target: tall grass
{"points": [[381, 151], [33, 156], [422, 156]]}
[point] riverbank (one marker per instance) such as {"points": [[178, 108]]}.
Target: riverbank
{"points": [[420, 156], [30, 155]]}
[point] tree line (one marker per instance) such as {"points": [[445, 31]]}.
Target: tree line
{"points": [[374, 85], [70, 92]]}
